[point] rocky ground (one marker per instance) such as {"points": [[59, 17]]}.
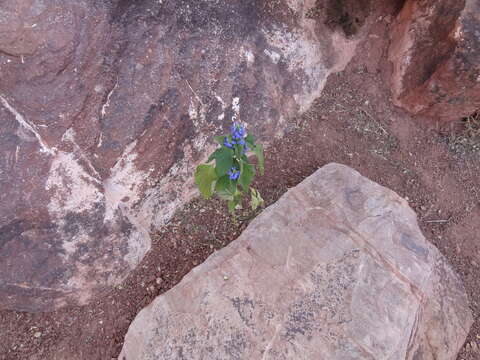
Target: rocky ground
{"points": [[352, 123]]}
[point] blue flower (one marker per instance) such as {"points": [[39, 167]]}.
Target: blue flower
{"points": [[228, 143], [238, 131], [233, 173]]}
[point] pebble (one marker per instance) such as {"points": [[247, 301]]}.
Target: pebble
{"points": [[474, 346], [37, 334]]}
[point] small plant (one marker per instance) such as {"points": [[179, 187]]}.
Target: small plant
{"points": [[232, 174]]}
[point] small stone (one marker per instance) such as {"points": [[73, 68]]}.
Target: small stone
{"points": [[37, 334], [225, 277], [474, 346], [159, 281]]}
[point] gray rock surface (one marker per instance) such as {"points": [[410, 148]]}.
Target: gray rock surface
{"points": [[336, 269], [106, 107]]}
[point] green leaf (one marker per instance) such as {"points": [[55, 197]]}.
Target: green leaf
{"points": [[231, 206], [223, 160], [205, 178], [238, 150], [222, 183], [250, 140], [238, 199], [256, 199], [225, 188], [212, 156], [219, 139], [258, 150], [247, 172], [238, 196]]}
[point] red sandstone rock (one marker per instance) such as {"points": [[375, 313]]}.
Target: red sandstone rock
{"points": [[106, 108], [336, 269], [435, 51]]}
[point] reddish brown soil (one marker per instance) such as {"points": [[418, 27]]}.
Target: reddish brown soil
{"points": [[352, 123]]}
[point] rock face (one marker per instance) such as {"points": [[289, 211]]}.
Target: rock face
{"points": [[107, 106], [336, 269], [435, 51]]}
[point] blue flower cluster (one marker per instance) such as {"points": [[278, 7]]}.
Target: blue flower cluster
{"points": [[238, 137], [238, 131], [233, 173]]}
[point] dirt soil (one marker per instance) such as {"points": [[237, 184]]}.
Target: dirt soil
{"points": [[352, 123]]}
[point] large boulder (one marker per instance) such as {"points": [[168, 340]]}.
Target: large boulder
{"points": [[336, 269], [107, 106], [435, 51]]}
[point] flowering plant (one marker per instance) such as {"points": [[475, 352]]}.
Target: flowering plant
{"points": [[232, 174]]}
